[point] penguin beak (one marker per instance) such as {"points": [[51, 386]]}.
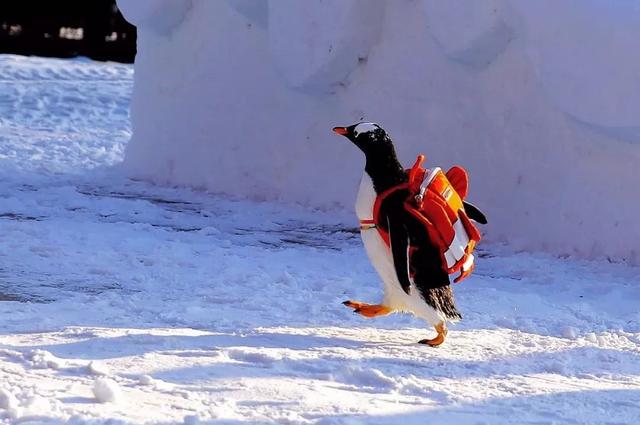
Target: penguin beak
{"points": [[341, 130]]}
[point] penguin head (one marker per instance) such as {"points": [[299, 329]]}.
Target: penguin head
{"points": [[382, 164], [369, 137]]}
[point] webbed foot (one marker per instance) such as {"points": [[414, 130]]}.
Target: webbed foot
{"points": [[441, 328], [368, 310]]}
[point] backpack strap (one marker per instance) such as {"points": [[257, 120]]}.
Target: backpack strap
{"points": [[376, 210], [367, 224]]}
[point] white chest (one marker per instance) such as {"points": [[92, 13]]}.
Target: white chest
{"points": [[365, 199], [380, 256]]}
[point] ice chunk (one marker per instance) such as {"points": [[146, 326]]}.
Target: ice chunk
{"points": [[7, 400], [106, 390], [97, 368], [41, 359], [570, 332]]}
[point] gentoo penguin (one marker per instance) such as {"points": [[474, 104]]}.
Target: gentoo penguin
{"points": [[413, 281]]}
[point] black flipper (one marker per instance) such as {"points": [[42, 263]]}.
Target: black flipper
{"points": [[474, 213], [399, 240]]}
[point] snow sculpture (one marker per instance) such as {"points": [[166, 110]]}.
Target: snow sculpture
{"points": [[255, 10], [325, 42], [538, 100], [585, 56], [471, 32], [156, 15]]}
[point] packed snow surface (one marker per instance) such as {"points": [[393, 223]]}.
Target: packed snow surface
{"points": [[127, 303]]}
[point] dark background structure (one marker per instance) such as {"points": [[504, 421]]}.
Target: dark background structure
{"points": [[66, 28]]}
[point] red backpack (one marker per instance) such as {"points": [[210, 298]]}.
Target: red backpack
{"points": [[435, 199]]}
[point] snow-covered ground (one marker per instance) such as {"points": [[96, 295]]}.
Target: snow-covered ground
{"points": [[123, 302]]}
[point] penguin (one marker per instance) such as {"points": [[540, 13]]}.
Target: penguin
{"points": [[410, 267]]}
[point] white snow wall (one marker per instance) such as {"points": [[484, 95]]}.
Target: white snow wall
{"points": [[540, 100]]}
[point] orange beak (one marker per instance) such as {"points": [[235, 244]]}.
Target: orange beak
{"points": [[341, 130]]}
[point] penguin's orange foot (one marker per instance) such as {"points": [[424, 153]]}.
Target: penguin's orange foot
{"points": [[439, 339], [368, 310]]}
